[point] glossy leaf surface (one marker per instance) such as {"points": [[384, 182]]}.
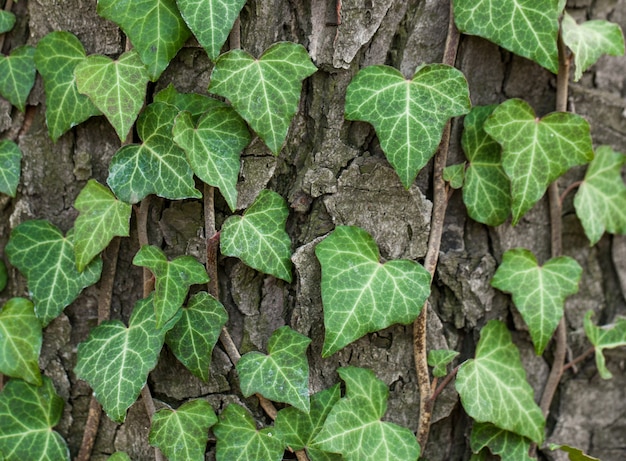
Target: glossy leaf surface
{"points": [[607, 337], [508, 445], [439, 360], [10, 167], [17, 75]]}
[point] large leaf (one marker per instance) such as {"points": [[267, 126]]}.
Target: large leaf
{"points": [[264, 91], [508, 445], [283, 374], [10, 161], [17, 75], [528, 28], [48, 261], [607, 337], [362, 295], [493, 386], [354, 429], [408, 115], [7, 21], [157, 166], [535, 152]]}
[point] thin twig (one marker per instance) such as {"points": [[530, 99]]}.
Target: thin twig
{"points": [[444, 383], [581, 358], [570, 188]]}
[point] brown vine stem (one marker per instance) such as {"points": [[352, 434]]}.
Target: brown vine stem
{"points": [[569, 189], [440, 203]]}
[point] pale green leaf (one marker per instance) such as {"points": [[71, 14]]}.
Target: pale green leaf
{"points": [[455, 175], [17, 75], [574, 454], [508, 445], [10, 167], [196, 104], [439, 360], [7, 21], [606, 337], [119, 456]]}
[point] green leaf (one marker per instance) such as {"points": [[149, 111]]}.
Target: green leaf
{"points": [[27, 415], [535, 151], [56, 58], [7, 21], [575, 454], [361, 295], [47, 259], [283, 374], [20, 341], [601, 199], [354, 429], [119, 456], [439, 360], [455, 175], [494, 381], [239, 440], [157, 166], [259, 238], [17, 75], [10, 160], [539, 292], [117, 88], [607, 337], [213, 147], [528, 28], [210, 21], [264, 91], [4, 276], [182, 434], [154, 26], [101, 218], [590, 40], [194, 335], [196, 104], [510, 446], [408, 115], [173, 279], [116, 360]]}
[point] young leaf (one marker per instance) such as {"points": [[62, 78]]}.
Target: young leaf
{"points": [[439, 360], [535, 152], [119, 456], [494, 381], [101, 218], [539, 292], [7, 21], [27, 415], [264, 91], [408, 115], [283, 374], [259, 238], [574, 454], [508, 445], [528, 28], [173, 279], [601, 199], [361, 295], [10, 160], [157, 166], [48, 261], [196, 104], [455, 175], [354, 429], [182, 434], [17, 75], [608, 337]]}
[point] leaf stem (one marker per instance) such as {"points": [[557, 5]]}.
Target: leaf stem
{"points": [[444, 383], [569, 188], [582, 357]]}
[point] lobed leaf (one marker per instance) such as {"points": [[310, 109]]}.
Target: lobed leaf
{"points": [[439, 360], [10, 160], [607, 337], [7, 21], [17, 75], [508, 445], [455, 175], [196, 104]]}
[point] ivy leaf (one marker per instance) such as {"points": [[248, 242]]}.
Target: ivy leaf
{"points": [[601, 199], [182, 434], [455, 175], [408, 115], [439, 360], [535, 152], [575, 454], [259, 238], [239, 440], [264, 91], [7, 21], [590, 40], [539, 292], [10, 160], [508, 445], [17, 75], [47, 259], [119, 456], [116, 360], [354, 429], [56, 58], [154, 26], [27, 415], [196, 104], [157, 166], [213, 147], [526, 28], [607, 337], [4, 277], [117, 88], [495, 380], [361, 295], [20, 334], [101, 218], [173, 279], [283, 374]]}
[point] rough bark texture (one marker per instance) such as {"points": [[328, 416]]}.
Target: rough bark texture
{"points": [[333, 172]]}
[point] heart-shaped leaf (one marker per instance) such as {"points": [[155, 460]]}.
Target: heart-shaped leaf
{"points": [[48, 261], [7, 21], [17, 75], [535, 151], [508, 445], [10, 160], [408, 115], [361, 295], [455, 175], [196, 104], [607, 337], [157, 166], [439, 360], [494, 381], [264, 91]]}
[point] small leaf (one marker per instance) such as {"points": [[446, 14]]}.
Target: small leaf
{"points": [[182, 434], [495, 380], [259, 238], [360, 295], [283, 374], [196, 104], [575, 454], [119, 456], [264, 91], [408, 115], [607, 337], [7, 21], [439, 360], [4, 276], [508, 445], [17, 75], [539, 292], [10, 160], [455, 175]]}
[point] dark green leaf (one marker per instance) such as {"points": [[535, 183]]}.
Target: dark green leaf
{"points": [[196, 104], [4, 276], [508, 445], [10, 160], [7, 21], [17, 75], [607, 337]]}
